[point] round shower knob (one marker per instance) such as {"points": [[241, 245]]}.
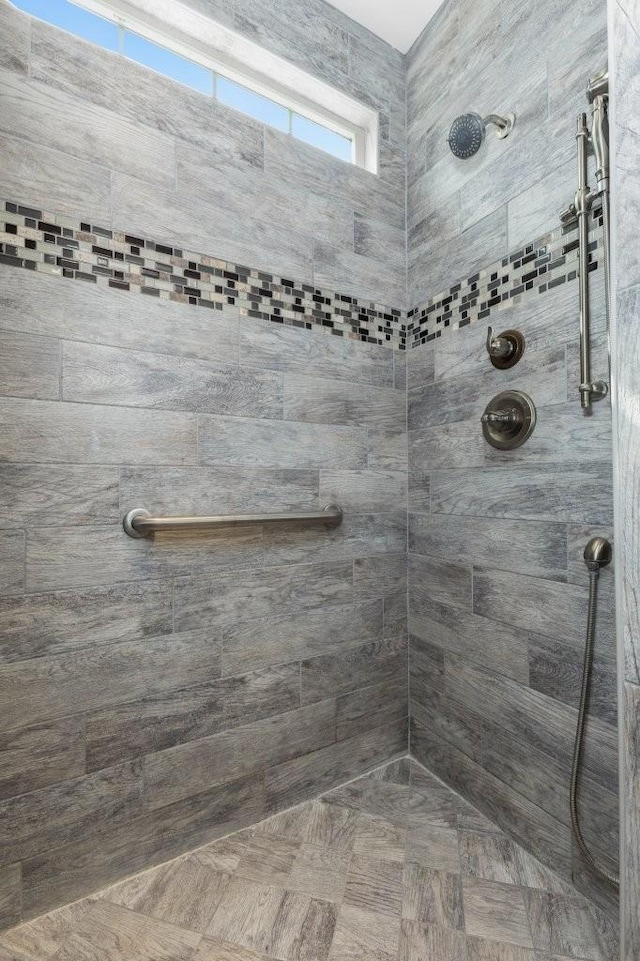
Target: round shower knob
{"points": [[508, 420]]}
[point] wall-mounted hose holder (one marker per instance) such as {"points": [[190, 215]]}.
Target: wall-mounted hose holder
{"points": [[506, 349], [508, 420]]}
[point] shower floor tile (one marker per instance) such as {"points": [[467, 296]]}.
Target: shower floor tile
{"points": [[392, 867]]}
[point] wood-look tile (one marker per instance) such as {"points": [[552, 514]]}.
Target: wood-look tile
{"points": [[494, 645], [105, 931], [108, 931], [432, 897], [29, 366], [434, 847], [364, 936], [396, 772], [12, 562], [198, 765], [41, 754], [41, 939], [570, 926], [331, 826], [430, 802], [419, 942], [273, 921], [318, 401], [218, 490], [374, 885], [270, 443], [480, 949], [359, 710], [57, 495], [386, 799], [154, 723], [529, 547], [68, 872], [378, 837], [471, 819], [94, 374], [10, 894], [364, 491], [386, 450], [373, 576], [213, 949], [496, 911], [302, 778], [54, 815], [291, 824], [268, 860], [489, 857], [222, 856], [39, 624], [284, 348], [319, 872], [77, 557], [330, 675], [358, 534], [70, 310], [102, 676], [185, 893], [275, 591], [158, 941], [277, 639], [544, 493], [16, 38], [47, 432], [442, 581]]}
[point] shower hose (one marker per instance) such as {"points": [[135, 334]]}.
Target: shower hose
{"points": [[576, 765]]}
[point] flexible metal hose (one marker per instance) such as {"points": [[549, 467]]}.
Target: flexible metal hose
{"points": [[576, 765]]}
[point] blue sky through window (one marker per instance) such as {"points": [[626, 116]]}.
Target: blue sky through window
{"points": [[261, 108], [319, 136], [168, 63], [74, 19], [110, 36]]}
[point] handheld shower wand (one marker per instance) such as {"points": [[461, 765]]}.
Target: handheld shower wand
{"points": [[597, 554]]}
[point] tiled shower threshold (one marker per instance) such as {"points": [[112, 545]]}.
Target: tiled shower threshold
{"points": [[391, 867]]}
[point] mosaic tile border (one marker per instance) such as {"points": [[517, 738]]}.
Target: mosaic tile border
{"points": [[53, 244], [50, 243], [536, 268]]}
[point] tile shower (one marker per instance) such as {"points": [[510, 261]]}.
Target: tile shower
{"points": [[201, 315]]}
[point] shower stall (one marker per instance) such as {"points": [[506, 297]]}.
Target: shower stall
{"points": [[318, 455]]}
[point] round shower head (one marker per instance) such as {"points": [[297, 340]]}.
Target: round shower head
{"points": [[466, 135]]}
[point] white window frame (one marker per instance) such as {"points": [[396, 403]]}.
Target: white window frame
{"points": [[195, 36]]}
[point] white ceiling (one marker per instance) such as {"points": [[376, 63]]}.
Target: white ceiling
{"points": [[398, 22]]}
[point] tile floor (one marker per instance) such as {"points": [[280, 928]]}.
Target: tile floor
{"points": [[391, 867]]}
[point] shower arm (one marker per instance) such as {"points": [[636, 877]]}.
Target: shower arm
{"points": [[504, 124]]}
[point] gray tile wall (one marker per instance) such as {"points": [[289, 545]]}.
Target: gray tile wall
{"points": [[157, 694], [498, 588], [91, 134], [497, 56], [625, 55]]}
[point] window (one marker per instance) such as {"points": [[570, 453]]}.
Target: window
{"points": [[209, 58]]}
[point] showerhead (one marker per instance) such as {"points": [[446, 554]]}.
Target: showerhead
{"points": [[466, 135], [468, 132]]}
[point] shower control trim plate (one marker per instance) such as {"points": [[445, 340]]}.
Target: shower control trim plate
{"points": [[509, 420]]}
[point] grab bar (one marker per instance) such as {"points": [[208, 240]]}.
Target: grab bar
{"points": [[140, 523]]}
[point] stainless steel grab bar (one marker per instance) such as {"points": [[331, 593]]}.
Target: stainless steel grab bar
{"points": [[140, 523]]}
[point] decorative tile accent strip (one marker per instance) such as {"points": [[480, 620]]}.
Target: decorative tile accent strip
{"points": [[540, 266], [54, 244]]}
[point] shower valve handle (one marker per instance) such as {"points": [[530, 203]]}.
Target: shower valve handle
{"points": [[499, 346]]}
